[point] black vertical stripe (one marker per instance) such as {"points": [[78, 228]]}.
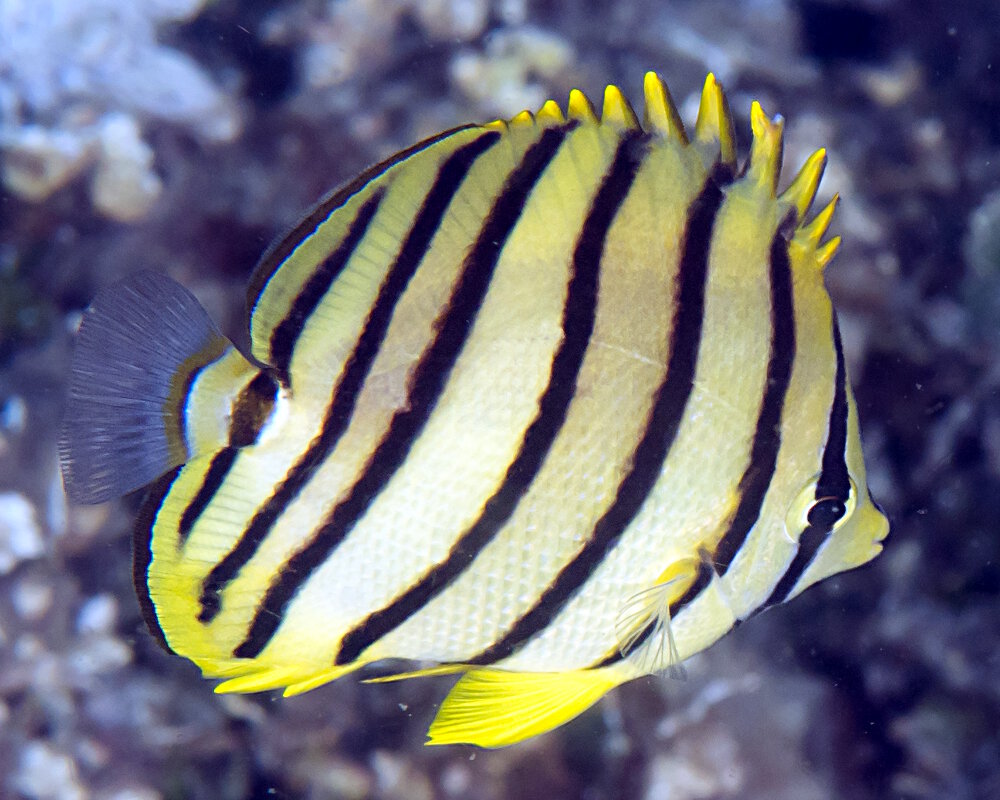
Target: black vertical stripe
{"points": [[344, 396], [286, 333], [763, 460], [661, 429], [142, 535], [283, 247], [578, 316], [427, 384], [249, 412], [832, 489], [217, 472]]}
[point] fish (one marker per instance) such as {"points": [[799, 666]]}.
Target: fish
{"points": [[549, 403]]}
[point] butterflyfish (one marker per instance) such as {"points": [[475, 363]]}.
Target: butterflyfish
{"points": [[552, 403]]}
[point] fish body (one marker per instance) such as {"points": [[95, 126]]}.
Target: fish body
{"points": [[553, 402]]}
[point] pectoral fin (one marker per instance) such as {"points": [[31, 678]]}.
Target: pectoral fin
{"points": [[643, 625]]}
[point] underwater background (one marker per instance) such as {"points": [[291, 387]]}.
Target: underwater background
{"points": [[183, 136]]}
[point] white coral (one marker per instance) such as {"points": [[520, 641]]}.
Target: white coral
{"points": [[76, 79]]}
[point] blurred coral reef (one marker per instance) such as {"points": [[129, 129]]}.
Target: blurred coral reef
{"points": [[183, 135]]}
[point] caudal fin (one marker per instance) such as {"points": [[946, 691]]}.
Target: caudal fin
{"points": [[141, 344]]}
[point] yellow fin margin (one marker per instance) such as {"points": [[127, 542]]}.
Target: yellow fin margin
{"points": [[617, 111], [714, 126], [816, 230], [248, 676], [550, 113], [442, 669], [494, 708], [802, 190], [765, 151], [827, 251], [580, 107], [660, 114], [523, 120]]}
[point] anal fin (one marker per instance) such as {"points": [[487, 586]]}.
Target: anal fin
{"points": [[494, 708], [244, 675]]}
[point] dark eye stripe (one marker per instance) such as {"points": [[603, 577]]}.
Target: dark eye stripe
{"points": [[833, 486]]}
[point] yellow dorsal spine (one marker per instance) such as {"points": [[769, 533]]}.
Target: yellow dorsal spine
{"points": [[660, 115], [827, 251], [815, 230], [802, 190], [580, 108], [714, 126], [617, 111], [550, 113], [522, 120], [765, 150]]}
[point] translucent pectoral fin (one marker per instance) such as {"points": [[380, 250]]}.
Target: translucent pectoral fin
{"points": [[494, 708], [643, 625]]}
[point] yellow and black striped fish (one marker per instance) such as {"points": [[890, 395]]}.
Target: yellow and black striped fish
{"points": [[553, 403]]}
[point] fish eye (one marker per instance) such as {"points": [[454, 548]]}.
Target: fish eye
{"points": [[825, 513]]}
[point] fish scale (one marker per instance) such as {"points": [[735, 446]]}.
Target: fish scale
{"points": [[553, 402]]}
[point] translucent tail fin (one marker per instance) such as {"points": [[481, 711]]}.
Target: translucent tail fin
{"points": [[142, 345]]}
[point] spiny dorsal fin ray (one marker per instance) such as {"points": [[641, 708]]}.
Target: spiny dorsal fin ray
{"points": [[713, 130], [802, 190], [809, 236], [493, 708], [617, 111], [825, 253], [550, 112], [765, 150], [660, 114], [580, 108]]}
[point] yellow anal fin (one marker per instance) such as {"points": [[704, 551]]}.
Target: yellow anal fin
{"points": [[494, 708], [441, 669], [252, 677]]}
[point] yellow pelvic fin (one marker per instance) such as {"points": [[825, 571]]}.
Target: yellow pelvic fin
{"points": [[802, 189], [714, 126], [617, 111], [765, 150], [493, 708], [661, 115]]}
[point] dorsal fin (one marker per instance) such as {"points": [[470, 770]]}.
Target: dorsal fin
{"points": [[765, 150], [713, 130], [661, 115], [617, 111]]}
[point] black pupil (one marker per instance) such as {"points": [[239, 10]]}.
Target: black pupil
{"points": [[826, 512]]}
